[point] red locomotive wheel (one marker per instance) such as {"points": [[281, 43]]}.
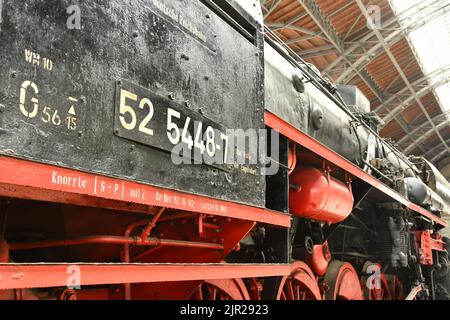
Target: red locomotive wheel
{"points": [[395, 287], [301, 284], [342, 282], [383, 292], [222, 289]]}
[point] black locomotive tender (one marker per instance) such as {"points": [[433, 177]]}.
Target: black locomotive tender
{"points": [[114, 98]]}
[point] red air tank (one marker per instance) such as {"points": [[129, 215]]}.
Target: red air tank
{"points": [[316, 195]]}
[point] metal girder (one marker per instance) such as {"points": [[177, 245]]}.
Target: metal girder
{"points": [[330, 36], [405, 97], [390, 40], [274, 5], [291, 21], [318, 53], [340, 9], [375, 50], [400, 71], [408, 64], [317, 49], [428, 133], [439, 155], [282, 25], [424, 131], [390, 24], [425, 125], [288, 25], [299, 39], [325, 25], [416, 96], [434, 149], [412, 146], [352, 27], [406, 128]]}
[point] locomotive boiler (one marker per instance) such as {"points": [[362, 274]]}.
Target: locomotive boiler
{"points": [[348, 127], [134, 156]]}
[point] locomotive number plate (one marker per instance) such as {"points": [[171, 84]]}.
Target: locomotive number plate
{"points": [[156, 121]]}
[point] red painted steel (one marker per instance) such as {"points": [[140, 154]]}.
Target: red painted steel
{"points": [[221, 289], [376, 285], [424, 246], [292, 157], [377, 291], [436, 243], [21, 276], [427, 243], [319, 258], [308, 142], [319, 196], [342, 282], [31, 180], [151, 224], [300, 284], [137, 241], [4, 251], [395, 287]]}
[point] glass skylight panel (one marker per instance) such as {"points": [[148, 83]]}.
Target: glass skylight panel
{"points": [[430, 41], [443, 93]]}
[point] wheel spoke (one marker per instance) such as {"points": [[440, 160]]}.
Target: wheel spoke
{"points": [[221, 289], [297, 293], [301, 284], [290, 290], [213, 293], [198, 295]]}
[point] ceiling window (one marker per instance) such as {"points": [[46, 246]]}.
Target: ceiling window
{"points": [[431, 42]]}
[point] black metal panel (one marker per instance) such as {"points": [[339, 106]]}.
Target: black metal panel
{"points": [[153, 120], [179, 49]]}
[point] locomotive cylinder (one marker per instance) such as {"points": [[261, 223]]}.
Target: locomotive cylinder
{"points": [[318, 196]]}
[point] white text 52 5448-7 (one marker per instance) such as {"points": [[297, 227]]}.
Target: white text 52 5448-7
{"points": [[162, 125]]}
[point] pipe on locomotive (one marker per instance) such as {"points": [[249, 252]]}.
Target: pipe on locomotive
{"points": [[117, 240]]}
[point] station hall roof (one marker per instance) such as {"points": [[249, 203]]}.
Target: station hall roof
{"points": [[397, 52]]}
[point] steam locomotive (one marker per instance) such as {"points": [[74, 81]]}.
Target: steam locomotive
{"points": [[137, 155]]}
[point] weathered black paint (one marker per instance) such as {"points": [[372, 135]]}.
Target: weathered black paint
{"points": [[135, 41]]}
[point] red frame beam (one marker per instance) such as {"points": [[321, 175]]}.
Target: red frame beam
{"points": [[308, 142], [437, 245], [30, 180], [23, 276]]}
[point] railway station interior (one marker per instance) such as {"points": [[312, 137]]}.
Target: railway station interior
{"points": [[396, 52], [272, 151]]}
